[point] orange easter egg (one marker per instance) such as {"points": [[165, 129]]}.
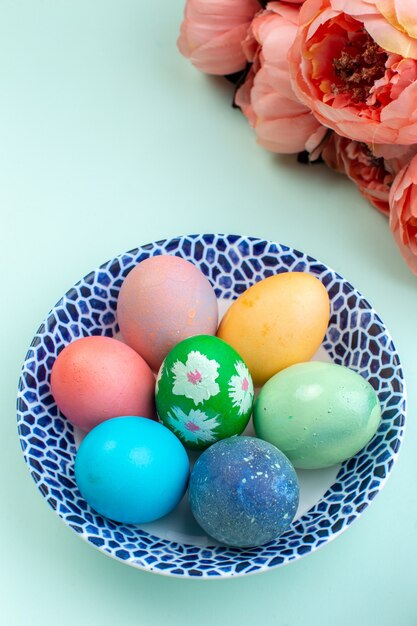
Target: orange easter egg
{"points": [[277, 322]]}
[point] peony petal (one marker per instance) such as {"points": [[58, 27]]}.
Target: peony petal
{"points": [[288, 12], [407, 15], [286, 136], [213, 29], [347, 123], [315, 143], [402, 211], [412, 173], [389, 38], [229, 13], [321, 19], [387, 8], [401, 181], [309, 10], [402, 14], [276, 40], [402, 110], [353, 7], [222, 54], [270, 105], [401, 114]]}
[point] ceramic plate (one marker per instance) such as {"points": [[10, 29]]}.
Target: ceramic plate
{"points": [[330, 500]]}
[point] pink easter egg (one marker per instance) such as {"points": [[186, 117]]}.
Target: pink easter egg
{"points": [[162, 301]]}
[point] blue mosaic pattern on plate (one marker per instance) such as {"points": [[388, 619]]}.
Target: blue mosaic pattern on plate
{"points": [[356, 338]]}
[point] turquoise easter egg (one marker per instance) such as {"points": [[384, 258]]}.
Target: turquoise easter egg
{"points": [[204, 391], [131, 469], [317, 414]]}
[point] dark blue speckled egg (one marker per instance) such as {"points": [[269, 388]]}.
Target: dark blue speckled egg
{"points": [[243, 491]]}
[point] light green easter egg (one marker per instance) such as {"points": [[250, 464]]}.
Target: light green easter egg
{"points": [[317, 414], [204, 391]]}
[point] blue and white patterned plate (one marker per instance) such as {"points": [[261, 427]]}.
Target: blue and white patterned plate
{"points": [[356, 338]]}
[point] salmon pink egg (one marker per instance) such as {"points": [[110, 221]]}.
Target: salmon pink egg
{"points": [[162, 301], [96, 378]]}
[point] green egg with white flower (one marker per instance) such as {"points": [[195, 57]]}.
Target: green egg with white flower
{"points": [[204, 391]]}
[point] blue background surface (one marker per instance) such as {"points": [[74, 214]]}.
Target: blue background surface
{"points": [[110, 139]]}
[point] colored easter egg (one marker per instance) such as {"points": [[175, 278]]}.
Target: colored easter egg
{"points": [[162, 301], [318, 414], [97, 378], [204, 391], [277, 322], [243, 491], [132, 470]]}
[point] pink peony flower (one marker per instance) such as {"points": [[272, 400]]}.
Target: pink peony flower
{"points": [[395, 156], [212, 32], [354, 62], [403, 212], [282, 123], [367, 171]]}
